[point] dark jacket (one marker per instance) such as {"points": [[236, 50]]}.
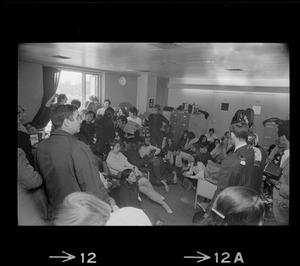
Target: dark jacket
{"points": [[25, 144], [156, 122], [86, 134], [68, 165], [105, 131], [128, 194], [237, 169], [134, 156], [161, 171]]}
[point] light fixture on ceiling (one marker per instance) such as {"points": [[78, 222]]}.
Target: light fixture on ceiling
{"points": [[61, 57], [234, 69]]}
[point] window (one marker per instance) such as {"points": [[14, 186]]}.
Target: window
{"points": [[224, 106], [78, 85]]}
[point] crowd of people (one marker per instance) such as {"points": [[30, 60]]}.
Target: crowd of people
{"points": [[65, 175]]}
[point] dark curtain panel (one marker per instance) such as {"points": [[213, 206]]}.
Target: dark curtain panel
{"points": [[50, 81]]}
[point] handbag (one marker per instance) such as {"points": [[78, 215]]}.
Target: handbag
{"points": [[273, 171]]}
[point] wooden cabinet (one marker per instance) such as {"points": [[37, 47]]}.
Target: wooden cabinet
{"points": [[181, 121]]}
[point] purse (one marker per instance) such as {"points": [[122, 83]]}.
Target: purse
{"points": [[273, 171]]}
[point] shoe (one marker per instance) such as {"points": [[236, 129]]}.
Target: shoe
{"points": [[162, 197], [166, 189]]}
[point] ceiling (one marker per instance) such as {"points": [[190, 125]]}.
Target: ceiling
{"points": [[236, 64]]}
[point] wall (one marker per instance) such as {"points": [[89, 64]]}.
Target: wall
{"points": [[30, 87], [117, 93], [272, 105], [162, 91]]}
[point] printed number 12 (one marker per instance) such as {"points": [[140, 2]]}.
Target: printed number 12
{"points": [[92, 255]]}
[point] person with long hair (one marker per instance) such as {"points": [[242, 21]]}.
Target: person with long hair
{"points": [[117, 163], [236, 206], [129, 194]]}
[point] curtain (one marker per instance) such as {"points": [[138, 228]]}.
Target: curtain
{"points": [[50, 82]]}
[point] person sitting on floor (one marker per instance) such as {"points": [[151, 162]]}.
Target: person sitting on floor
{"points": [[182, 139], [146, 148], [203, 155], [132, 116], [131, 151], [85, 209], [117, 163], [236, 206], [195, 171], [129, 194], [191, 139], [163, 172]]}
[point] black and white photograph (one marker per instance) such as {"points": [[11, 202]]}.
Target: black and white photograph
{"points": [[162, 136]]}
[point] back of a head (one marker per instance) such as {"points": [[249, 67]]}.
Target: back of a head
{"points": [[81, 208], [284, 130], [240, 130], [61, 112], [76, 103], [61, 97], [110, 112], [236, 206]]}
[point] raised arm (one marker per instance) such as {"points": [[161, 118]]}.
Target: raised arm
{"points": [[49, 102]]}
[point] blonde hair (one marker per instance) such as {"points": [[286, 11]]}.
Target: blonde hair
{"points": [[82, 208]]}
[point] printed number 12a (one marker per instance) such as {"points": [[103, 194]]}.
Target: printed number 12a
{"points": [[226, 255]]}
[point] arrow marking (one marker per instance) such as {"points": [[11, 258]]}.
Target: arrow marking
{"points": [[201, 258], [69, 257]]}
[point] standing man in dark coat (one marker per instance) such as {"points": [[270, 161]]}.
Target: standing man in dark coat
{"points": [[157, 131], [237, 169], [66, 163]]}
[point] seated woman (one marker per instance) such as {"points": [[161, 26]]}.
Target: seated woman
{"points": [[163, 172], [117, 163], [191, 139], [236, 206], [83, 208], [129, 191], [196, 171], [182, 139]]}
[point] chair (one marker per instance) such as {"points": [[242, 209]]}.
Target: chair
{"points": [[115, 179], [204, 189]]}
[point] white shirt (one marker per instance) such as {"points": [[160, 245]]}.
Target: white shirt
{"points": [[117, 162], [136, 120], [238, 146], [285, 155], [129, 216], [145, 150]]}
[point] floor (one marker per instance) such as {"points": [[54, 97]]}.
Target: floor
{"points": [[180, 200]]}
